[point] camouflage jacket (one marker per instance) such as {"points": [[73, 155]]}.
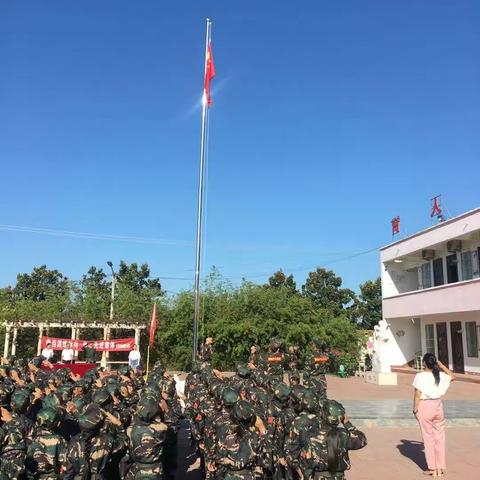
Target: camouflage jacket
{"points": [[146, 448], [88, 456], [46, 455], [236, 454]]}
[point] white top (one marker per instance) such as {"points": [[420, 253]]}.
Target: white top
{"points": [[47, 353], [67, 354], [425, 383], [134, 358]]}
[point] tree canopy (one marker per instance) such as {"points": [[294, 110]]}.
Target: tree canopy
{"points": [[236, 316]]}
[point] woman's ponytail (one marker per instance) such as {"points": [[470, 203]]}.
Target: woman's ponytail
{"points": [[430, 361]]}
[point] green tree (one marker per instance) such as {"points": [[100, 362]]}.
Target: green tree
{"points": [[40, 284], [324, 288], [279, 279], [136, 292], [93, 295], [136, 278], [368, 307]]}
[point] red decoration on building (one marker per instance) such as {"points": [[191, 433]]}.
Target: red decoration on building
{"points": [[395, 225], [436, 210]]}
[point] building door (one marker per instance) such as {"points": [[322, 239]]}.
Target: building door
{"points": [[457, 346], [442, 345]]}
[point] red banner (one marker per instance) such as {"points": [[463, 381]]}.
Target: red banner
{"points": [[116, 345]]}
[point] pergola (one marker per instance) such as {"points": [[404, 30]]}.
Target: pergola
{"points": [[12, 328]]}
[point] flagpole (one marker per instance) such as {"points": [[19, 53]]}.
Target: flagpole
{"points": [[148, 361], [201, 185]]}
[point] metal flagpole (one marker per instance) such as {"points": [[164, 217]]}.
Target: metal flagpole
{"points": [[201, 185]]}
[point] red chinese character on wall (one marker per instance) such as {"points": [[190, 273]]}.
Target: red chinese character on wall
{"points": [[395, 225]]}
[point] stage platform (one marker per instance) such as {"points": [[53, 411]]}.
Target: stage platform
{"points": [[76, 368]]}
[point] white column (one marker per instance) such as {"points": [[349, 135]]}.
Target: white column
{"points": [[137, 336], [40, 334], [107, 353], [7, 341], [103, 362], [14, 341]]}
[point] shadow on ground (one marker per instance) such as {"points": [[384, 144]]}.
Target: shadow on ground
{"points": [[188, 465], [414, 451]]}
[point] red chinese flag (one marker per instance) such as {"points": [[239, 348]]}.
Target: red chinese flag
{"points": [[153, 324], [209, 74]]}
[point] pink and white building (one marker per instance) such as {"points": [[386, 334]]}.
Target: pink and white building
{"points": [[431, 294]]}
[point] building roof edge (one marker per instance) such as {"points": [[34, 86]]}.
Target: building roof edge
{"points": [[433, 227]]}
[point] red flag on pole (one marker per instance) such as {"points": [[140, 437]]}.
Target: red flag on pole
{"points": [[153, 324], [209, 74]]}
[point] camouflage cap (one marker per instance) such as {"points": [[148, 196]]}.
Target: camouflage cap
{"points": [[91, 419], [229, 396], [147, 409], [51, 401], [112, 386], [5, 394], [101, 397], [275, 344], [20, 400], [243, 413], [64, 393], [297, 393], [124, 370], [37, 361], [243, 371], [48, 418], [334, 412], [310, 402], [152, 391], [281, 391]]}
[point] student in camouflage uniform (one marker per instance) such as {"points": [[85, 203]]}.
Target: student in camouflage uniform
{"points": [[90, 451], [46, 454], [340, 436], [275, 361], [293, 363], [316, 365], [12, 447], [147, 435], [237, 449]]}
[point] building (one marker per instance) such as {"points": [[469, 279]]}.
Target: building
{"points": [[431, 294]]}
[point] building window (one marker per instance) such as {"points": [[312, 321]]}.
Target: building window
{"points": [[426, 275], [472, 339], [467, 266], [452, 268], [429, 339], [438, 272]]}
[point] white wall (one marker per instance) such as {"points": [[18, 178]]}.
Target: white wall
{"points": [[402, 349]]}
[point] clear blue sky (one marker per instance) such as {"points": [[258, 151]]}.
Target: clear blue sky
{"points": [[329, 118]]}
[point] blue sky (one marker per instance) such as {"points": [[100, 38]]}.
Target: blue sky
{"points": [[329, 118]]}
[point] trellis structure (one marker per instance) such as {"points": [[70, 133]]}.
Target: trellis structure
{"points": [[12, 328]]}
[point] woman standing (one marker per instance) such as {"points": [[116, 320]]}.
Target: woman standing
{"points": [[430, 385]]}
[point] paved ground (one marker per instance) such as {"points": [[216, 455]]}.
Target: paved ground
{"points": [[397, 454], [355, 388], [392, 453], [395, 449]]}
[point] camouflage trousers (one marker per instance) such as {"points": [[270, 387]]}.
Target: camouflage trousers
{"points": [[237, 475], [12, 464], [145, 471], [318, 383], [329, 476]]}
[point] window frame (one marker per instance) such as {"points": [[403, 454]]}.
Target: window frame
{"points": [[468, 338], [430, 326]]}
